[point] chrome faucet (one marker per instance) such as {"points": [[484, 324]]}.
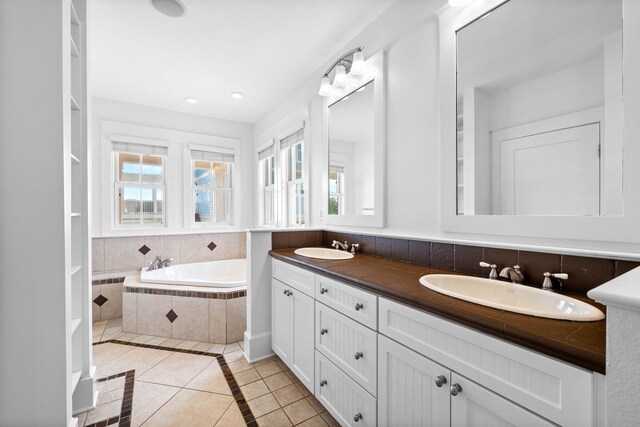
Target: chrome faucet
{"points": [[158, 262], [547, 284], [339, 245], [165, 263], [355, 247], [493, 275], [513, 273]]}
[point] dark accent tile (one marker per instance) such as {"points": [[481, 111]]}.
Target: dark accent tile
{"points": [[100, 300], [313, 238], [419, 252], [400, 249], [535, 264], [144, 249], [279, 240], [586, 273], [441, 255], [296, 239], [211, 246], [368, 245], [625, 267], [467, 260], [172, 316], [383, 247], [500, 257]]}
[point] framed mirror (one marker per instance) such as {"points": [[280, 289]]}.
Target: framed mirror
{"points": [[535, 129], [354, 128]]}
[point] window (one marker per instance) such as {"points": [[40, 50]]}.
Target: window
{"points": [[292, 151], [267, 183], [139, 184], [336, 190], [212, 185]]}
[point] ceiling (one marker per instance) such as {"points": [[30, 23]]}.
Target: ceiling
{"points": [[264, 49]]}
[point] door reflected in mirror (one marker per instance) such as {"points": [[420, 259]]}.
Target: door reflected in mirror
{"points": [[351, 153], [539, 110]]}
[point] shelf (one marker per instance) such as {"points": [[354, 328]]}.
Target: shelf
{"points": [[74, 104], [74, 49], [75, 269], [75, 379], [76, 214], [75, 323], [74, 159]]}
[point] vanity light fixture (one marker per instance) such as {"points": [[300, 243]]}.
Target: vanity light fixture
{"points": [[191, 100], [351, 63], [237, 95], [459, 3]]}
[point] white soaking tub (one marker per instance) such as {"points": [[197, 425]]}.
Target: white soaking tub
{"points": [[230, 273]]}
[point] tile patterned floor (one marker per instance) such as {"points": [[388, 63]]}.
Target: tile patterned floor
{"points": [[180, 382]]}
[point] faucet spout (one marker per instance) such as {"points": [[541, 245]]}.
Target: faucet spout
{"points": [[512, 273], [339, 245]]}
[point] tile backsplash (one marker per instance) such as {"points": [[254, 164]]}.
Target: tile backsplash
{"points": [[118, 254]]}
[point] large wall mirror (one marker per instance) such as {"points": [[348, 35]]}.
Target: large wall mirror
{"points": [[536, 130], [354, 117]]}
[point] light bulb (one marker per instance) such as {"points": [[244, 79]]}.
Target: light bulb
{"points": [[459, 3], [191, 100], [325, 86], [340, 79], [358, 68]]}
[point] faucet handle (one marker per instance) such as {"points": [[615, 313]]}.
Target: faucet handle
{"points": [[355, 247], [494, 273], [547, 284]]}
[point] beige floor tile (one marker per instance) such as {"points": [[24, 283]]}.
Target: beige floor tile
{"points": [[316, 404], [246, 377], [254, 389], [148, 398], [274, 419], [232, 418], [316, 421], [230, 348], [264, 361], [263, 405], [268, 369], [140, 359], [291, 375], [300, 411], [171, 342], [96, 338], [187, 345], [113, 330], [277, 381], [177, 369], [143, 339], [107, 337], [303, 389], [328, 418], [112, 323], [202, 346], [216, 348], [107, 386], [191, 408], [240, 365], [282, 364], [104, 353], [104, 412], [232, 357], [241, 344], [156, 341], [110, 396], [81, 418], [127, 336], [210, 379], [287, 395]]}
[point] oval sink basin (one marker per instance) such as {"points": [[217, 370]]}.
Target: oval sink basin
{"points": [[323, 253], [512, 297]]}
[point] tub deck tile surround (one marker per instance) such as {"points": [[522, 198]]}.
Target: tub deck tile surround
{"points": [[579, 343]]}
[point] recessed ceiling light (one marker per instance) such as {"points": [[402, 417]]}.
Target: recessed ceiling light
{"points": [[237, 95], [191, 100], [172, 8]]}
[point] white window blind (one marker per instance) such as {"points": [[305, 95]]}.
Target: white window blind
{"points": [[336, 169], [292, 139], [267, 152], [130, 147], [212, 156]]}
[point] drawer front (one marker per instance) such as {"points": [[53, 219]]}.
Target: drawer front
{"points": [[295, 277], [355, 303], [342, 397], [348, 344], [557, 391]]}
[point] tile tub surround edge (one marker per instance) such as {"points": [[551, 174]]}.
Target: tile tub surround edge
{"points": [[579, 343]]}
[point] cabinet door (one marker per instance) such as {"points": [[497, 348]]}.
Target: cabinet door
{"points": [[281, 320], [474, 405], [302, 344], [407, 390]]}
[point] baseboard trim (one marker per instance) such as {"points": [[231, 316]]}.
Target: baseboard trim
{"points": [[257, 347]]}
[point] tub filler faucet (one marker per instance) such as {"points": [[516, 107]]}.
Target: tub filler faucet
{"points": [[158, 262]]}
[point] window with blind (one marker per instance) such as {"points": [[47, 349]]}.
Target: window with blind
{"points": [[291, 154], [139, 184], [336, 190], [267, 184], [212, 185]]}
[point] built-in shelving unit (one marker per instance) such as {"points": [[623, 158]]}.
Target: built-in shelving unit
{"points": [[82, 372]]}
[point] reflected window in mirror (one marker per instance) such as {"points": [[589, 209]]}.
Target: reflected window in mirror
{"points": [[336, 189], [539, 110]]}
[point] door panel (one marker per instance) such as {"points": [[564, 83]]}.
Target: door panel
{"points": [[281, 320], [302, 351]]}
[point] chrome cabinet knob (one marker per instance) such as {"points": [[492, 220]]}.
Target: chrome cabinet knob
{"points": [[455, 389], [359, 307], [357, 417], [324, 290], [290, 293], [323, 331], [441, 380], [359, 355], [286, 292], [323, 383]]}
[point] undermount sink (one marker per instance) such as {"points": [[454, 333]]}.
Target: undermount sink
{"points": [[512, 297], [323, 253]]}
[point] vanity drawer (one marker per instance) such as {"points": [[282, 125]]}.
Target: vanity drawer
{"points": [[295, 277], [342, 397], [355, 303], [349, 345]]}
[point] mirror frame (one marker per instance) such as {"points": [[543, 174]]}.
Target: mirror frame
{"points": [[624, 228], [375, 72]]}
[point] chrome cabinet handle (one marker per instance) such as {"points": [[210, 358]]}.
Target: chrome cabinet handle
{"points": [[455, 389], [286, 292], [323, 383], [359, 355], [359, 307], [357, 417], [441, 380], [324, 290], [290, 293], [323, 331]]}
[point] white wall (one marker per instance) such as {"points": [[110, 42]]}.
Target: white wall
{"points": [[408, 32], [116, 111]]}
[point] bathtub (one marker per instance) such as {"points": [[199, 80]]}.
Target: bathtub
{"points": [[230, 273]]}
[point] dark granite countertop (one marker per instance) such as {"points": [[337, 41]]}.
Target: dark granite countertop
{"points": [[579, 343]]}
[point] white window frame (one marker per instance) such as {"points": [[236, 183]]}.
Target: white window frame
{"points": [[341, 181], [287, 213], [265, 164]]}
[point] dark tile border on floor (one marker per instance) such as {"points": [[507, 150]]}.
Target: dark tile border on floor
{"points": [[124, 419], [248, 416]]}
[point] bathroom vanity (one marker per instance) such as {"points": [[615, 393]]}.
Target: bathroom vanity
{"points": [[377, 348]]}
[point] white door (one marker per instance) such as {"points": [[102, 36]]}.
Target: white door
{"points": [[407, 390], [302, 343], [281, 320], [549, 173], [474, 405]]}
